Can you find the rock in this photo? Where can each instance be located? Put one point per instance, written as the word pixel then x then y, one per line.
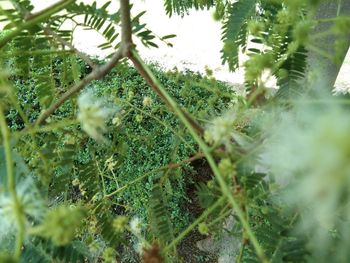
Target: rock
pixel 225 248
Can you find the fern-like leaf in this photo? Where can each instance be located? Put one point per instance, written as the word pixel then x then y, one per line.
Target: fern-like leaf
pixel 295 65
pixel 40 250
pixel 180 7
pixel 234 32
pixel 158 216
pixel 271 231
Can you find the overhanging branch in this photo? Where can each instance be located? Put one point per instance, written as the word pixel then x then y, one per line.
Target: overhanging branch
pixel 99 72
pixel 38 18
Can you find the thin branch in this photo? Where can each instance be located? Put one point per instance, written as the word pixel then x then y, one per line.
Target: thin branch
pixel 241 251
pixel 143 72
pixel 167 167
pixel 31 16
pixel 96 74
pixel 44 15
pixel 189 160
pixel 101 71
pixel 203 216
pixel 203 146
pixel 83 56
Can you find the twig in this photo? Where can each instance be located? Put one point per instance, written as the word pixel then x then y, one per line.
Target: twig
pixel 128 52
pixel 83 56
pixel 203 146
pixel 101 71
pixel 167 167
pixel 143 72
pixel 205 214
pixel 96 74
pixel 42 16
pixel 241 251
pixel 31 16
pixel 189 160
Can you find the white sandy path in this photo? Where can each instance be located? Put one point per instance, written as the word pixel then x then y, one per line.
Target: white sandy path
pixel 196 46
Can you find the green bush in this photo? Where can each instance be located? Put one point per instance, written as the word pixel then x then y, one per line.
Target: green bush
pixel 142 136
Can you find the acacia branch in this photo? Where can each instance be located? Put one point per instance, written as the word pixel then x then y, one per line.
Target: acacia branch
pixel 83 56
pixel 99 72
pixel 127 50
pixel 31 16
pixel 170 166
pixel 36 19
pixel 149 79
pixel 226 190
pixel 130 53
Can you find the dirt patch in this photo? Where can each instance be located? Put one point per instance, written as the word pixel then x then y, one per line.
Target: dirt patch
pixel 188 250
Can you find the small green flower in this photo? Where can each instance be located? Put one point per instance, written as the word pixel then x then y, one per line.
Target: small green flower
pixel 109 255
pixel 226 167
pixel 256 65
pixel 76 182
pixel 131 95
pixel 138 118
pixel 220 131
pixel 211 184
pixel 256 27
pixel 116 121
pixel 110 163
pixel 119 223
pixel 302 31
pixel 147 101
pixel 203 229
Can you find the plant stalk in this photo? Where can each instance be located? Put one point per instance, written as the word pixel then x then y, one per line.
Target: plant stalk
pixel 11 185
pixel 148 75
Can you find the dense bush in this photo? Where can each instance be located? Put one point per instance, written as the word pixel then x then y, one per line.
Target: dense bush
pixel 139 126
pixel 138 161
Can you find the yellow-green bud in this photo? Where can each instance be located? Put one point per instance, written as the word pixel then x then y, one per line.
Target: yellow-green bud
pixel 120 223
pixel 203 229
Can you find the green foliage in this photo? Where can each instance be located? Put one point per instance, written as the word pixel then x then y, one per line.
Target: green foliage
pixel 108 175
pixel 181 7
pixel 84 174
pixel 235 30
pixel 44 251
pixel 292 73
pixel 60 225
pixel 159 219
